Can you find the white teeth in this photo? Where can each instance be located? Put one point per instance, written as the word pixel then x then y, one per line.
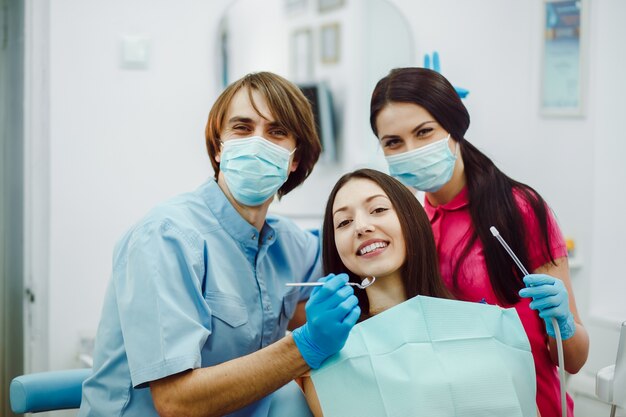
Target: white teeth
pixel 373 246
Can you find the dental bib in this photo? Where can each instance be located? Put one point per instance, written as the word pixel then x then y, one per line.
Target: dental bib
pixel 431 357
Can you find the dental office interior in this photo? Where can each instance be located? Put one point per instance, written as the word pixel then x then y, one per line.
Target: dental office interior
pixel 104 106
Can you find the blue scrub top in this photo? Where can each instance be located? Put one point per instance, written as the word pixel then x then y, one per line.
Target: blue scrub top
pixel 194 285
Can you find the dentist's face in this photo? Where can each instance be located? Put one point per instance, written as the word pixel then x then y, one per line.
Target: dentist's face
pixel 245 119
pixel 368 234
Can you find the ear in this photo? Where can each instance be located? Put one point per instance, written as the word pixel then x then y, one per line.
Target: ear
pixel 218 153
pixel 294 165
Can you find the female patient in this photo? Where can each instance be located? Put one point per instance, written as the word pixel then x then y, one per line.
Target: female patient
pixel 371 223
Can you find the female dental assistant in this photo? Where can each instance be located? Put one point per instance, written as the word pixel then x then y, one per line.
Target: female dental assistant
pixel 420 122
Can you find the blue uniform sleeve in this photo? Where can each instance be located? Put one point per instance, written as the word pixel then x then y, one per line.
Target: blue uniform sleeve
pixel 164 318
pixel 312 253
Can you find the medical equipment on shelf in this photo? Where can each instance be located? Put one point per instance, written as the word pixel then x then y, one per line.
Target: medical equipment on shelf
pixel 557 331
pixel 364 284
pixel 611 380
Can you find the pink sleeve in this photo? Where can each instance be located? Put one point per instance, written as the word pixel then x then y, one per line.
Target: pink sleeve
pixel 536 254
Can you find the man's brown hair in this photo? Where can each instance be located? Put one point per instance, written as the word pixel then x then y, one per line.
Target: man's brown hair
pixel 289 107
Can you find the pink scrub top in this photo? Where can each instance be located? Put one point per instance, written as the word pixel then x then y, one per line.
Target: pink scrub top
pixel 452 226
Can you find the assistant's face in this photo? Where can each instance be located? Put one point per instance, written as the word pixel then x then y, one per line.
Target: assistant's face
pixel 403 127
pixel 368 235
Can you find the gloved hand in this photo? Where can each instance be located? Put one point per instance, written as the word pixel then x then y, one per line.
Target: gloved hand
pixel 331 312
pixel 550 299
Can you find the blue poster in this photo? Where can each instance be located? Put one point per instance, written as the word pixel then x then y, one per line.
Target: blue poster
pixel 561 90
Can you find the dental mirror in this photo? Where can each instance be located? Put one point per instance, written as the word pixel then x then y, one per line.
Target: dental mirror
pixel 367 281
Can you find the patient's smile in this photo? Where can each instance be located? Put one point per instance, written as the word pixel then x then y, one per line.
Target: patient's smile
pixel 375 247
pixel 368 235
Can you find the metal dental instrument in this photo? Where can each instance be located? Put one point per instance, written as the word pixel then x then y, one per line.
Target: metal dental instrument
pixel 557 331
pixel 364 284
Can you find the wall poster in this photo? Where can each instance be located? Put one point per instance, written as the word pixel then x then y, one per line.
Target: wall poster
pixel 563 58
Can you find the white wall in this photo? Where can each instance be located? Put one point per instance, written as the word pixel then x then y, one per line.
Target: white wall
pixel 254 46
pixel 605 167
pixel 607 142
pixel 122 140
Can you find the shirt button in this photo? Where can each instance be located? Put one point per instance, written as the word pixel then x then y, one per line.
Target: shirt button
pixel 268 308
pixel 253 237
pixel 270 238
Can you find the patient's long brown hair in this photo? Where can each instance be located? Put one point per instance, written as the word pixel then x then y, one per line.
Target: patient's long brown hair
pixel 420 272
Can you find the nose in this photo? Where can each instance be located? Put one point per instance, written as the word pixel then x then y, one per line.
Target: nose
pixel 362 226
pixel 411 145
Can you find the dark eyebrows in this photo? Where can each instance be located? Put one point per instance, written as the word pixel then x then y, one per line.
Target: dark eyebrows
pixel 370 198
pixel 367 200
pixel 414 131
pixel 421 125
pixel 247 120
pixel 239 119
pixel 389 137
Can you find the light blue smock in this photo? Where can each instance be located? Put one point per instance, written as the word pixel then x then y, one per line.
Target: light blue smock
pixel 193 285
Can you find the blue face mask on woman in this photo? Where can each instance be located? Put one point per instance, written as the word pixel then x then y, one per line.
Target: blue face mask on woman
pixel 254 168
pixel 427 168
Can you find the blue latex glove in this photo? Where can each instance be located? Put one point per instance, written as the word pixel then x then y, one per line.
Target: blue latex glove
pixel 331 312
pixel 462 92
pixel 551 300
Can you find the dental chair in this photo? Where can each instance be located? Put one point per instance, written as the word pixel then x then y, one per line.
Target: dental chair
pixel 47 391
pixel 62 390
pixel 611 380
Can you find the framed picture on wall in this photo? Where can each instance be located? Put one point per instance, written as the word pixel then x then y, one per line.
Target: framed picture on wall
pixel 295 6
pixel 329 43
pixel 564 58
pixel 328 5
pixel 301 55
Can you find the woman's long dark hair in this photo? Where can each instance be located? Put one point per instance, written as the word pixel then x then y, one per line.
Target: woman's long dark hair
pixel 420 272
pixel 491 192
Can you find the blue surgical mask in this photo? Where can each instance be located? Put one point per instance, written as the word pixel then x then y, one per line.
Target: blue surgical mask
pixel 427 168
pixel 254 168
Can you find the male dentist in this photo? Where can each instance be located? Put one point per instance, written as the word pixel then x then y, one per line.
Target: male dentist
pixel 195 315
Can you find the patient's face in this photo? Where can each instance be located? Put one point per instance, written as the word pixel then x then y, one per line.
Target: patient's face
pixel 368 234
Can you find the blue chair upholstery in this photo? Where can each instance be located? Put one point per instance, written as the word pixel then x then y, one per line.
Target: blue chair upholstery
pixel 59 390
pixel 46 391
